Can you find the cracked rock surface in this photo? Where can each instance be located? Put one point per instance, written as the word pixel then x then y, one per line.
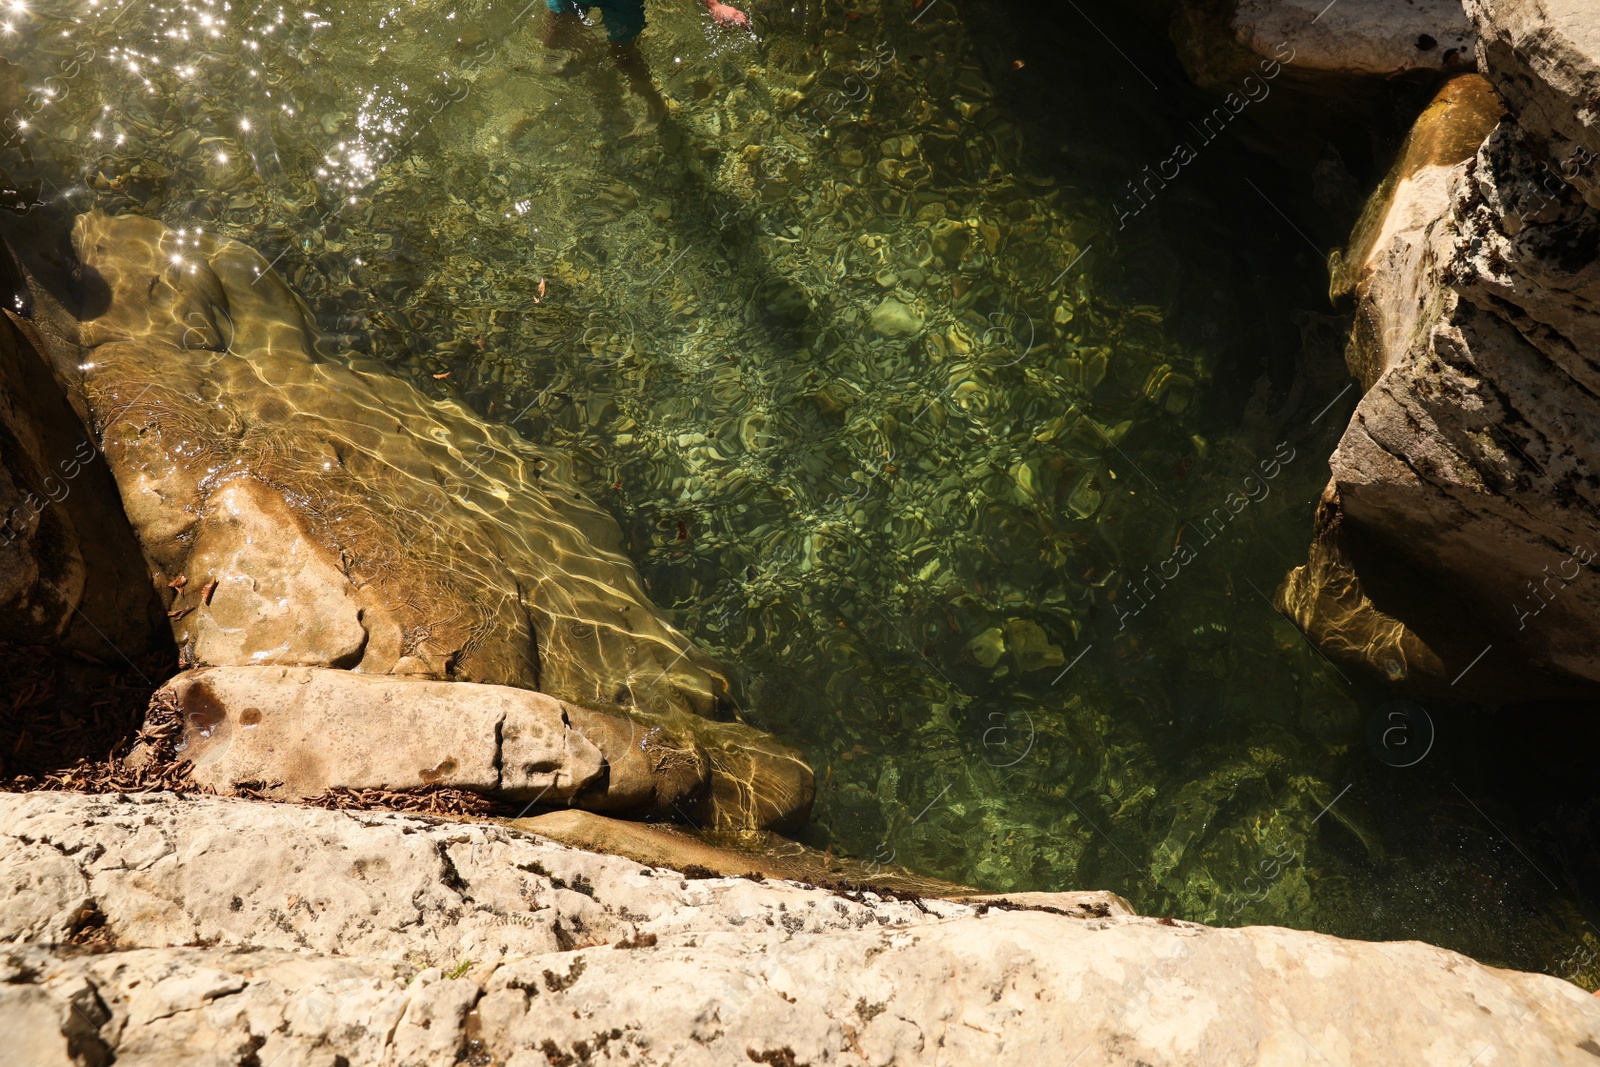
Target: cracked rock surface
pixel 1544 57
pixel 1459 530
pixel 158 929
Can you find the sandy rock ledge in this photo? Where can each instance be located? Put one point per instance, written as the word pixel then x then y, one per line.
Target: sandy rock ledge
pixel 158 930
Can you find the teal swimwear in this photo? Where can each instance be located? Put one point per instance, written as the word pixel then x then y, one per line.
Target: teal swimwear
pixel 624 18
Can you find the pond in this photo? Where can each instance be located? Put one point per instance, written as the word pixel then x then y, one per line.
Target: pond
pixel 972 451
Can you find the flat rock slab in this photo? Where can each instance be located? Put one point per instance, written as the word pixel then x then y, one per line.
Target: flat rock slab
pixel 304 731
pixel 398 939
pixel 1381 37
pixel 293 733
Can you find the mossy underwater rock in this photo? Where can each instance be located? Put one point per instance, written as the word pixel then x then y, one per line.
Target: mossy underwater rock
pixel 299 512
pixel 429 542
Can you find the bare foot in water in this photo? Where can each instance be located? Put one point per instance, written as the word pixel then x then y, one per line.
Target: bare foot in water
pixel 632 63
pixel 727 16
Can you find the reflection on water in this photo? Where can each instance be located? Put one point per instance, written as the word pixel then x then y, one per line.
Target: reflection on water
pixel 889 423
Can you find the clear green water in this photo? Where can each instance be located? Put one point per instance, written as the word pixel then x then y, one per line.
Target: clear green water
pixel 981 497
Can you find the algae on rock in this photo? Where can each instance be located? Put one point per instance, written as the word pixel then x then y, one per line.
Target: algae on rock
pixel 326 515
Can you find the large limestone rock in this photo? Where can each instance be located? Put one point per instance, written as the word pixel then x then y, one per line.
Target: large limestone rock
pixel 302 732
pixel 1454 543
pixel 1358 36
pixel 227 930
pixel 1222 40
pixel 301 512
pixel 1391 267
pixel 330 523
pixel 1544 58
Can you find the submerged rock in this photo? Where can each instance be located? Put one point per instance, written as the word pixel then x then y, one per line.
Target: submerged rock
pixel 1028 642
pixel 1327 600
pixel 332 545
pixel 312 936
pixel 1446 134
pixel 894 319
pixel 322 515
pixel 741 856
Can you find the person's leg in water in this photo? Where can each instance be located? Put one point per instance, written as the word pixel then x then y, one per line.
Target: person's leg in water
pixel 625 20
pixel 632 63
pixel 562 25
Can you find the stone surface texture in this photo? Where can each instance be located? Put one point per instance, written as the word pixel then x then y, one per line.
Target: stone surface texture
pixel 1544 58
pixel 304 731
pixel 1358 36
pixel 324 514
pixel 1459 530
pixel 1222 42
pixel 158 930
pixel 298 732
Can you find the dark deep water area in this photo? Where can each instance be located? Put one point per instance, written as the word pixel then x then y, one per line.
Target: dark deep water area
pixel 1502 802
pixel 972 450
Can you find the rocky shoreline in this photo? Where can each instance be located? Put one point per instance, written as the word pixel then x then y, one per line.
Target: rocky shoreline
pixel 381 600
pixel 158 929
pixel 336 555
